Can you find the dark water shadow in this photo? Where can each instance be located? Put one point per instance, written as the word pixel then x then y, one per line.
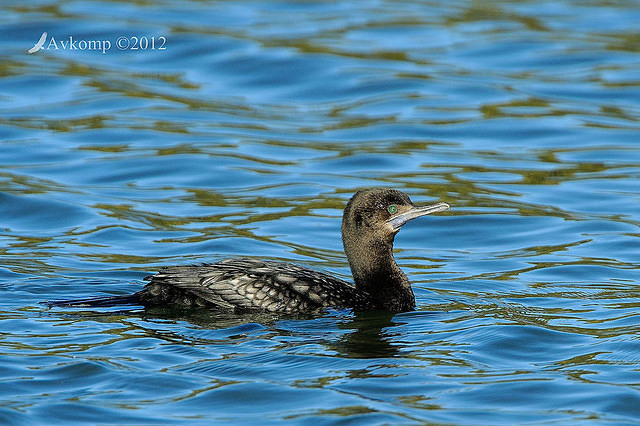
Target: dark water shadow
pixel 370 336
pixel 361 334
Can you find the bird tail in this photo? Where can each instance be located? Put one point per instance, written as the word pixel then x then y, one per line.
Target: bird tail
pixel 131 299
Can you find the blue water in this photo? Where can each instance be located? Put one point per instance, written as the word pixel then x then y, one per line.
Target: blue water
pixel 247 134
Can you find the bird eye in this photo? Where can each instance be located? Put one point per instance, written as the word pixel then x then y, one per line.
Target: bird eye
pixel 393 209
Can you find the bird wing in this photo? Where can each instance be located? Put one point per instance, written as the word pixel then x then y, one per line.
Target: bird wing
pixel 249 284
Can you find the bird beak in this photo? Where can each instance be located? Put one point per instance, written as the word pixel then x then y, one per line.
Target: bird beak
pixel 416 211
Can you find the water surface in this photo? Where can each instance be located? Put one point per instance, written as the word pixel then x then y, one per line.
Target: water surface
pixel 248 134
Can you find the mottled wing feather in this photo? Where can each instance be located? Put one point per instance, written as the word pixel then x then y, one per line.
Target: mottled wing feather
pixel 181 285
pixel 248 284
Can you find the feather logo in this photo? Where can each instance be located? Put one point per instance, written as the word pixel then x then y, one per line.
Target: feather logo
pixel 39 44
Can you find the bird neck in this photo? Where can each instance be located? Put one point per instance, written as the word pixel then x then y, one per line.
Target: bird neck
pixel 375 271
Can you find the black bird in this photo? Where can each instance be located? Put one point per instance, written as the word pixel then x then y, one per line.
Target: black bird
pixel 370 222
